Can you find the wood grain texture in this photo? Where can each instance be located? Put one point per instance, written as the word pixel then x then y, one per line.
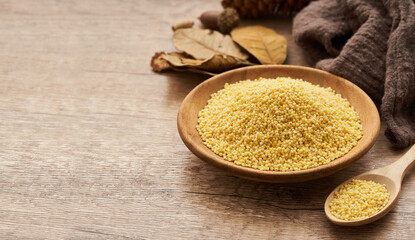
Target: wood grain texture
pixel 89 147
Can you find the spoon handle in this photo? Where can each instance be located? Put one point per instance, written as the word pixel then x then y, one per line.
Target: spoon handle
pixel 402 166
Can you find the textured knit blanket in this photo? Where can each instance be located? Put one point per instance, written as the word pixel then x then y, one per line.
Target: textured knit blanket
pixel 372 44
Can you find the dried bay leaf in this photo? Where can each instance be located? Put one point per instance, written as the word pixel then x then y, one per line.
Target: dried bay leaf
pixel 264 43
pixel 220 63
pixel 158 63
pixel 204 43
pixel 182 62
pixel 216 63
pixel 192 70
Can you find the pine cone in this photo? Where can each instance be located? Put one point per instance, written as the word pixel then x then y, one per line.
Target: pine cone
pixel 263 8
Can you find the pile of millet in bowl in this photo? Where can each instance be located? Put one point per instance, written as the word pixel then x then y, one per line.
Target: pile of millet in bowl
pixel 280 124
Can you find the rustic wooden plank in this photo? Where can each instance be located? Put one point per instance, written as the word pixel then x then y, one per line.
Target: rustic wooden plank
pixel 89 147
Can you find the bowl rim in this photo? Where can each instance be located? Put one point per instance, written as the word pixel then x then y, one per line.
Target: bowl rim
pixel 274 176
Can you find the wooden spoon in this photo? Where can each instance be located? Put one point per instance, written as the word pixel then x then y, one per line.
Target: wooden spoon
pixel 390 175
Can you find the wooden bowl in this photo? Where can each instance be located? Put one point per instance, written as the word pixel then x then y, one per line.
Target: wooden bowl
pixel 197 99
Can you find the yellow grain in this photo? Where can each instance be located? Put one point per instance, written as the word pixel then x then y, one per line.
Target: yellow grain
pixel 358 200
pixel 280 124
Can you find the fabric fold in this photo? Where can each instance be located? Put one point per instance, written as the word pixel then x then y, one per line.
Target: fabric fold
pixel 372 44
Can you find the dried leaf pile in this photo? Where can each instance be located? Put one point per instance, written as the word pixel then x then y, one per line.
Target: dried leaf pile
pixel 209 52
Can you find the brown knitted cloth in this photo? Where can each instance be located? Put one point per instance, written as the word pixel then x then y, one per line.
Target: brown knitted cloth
pixel 372 44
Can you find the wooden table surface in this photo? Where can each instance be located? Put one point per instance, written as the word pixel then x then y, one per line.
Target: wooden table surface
pixel 89 147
